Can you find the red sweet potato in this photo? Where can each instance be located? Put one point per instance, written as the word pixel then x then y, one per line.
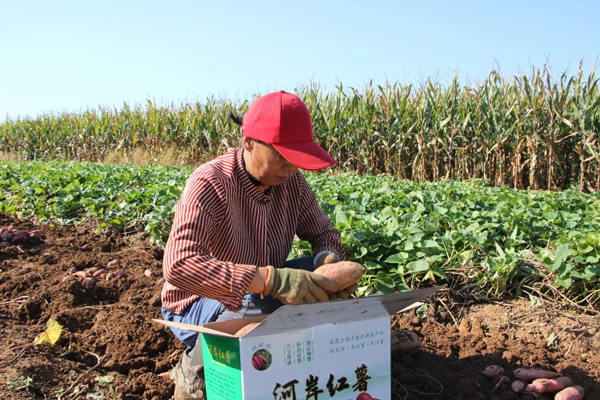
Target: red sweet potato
pixel 247 328
pixel 530 374
pixel 405 342
pixel 346 274
pixel 100 274
pixel 575 392
pixel 517 386
pixel 552 385
pixel 262 359
pixel 38 234
pixel 493 371
pixel 81 274
pixel 89 281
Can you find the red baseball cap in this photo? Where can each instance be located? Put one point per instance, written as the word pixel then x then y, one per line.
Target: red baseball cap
pixel 283 120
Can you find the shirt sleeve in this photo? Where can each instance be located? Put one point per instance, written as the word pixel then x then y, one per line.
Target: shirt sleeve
pixel 315 226
pixel 188 263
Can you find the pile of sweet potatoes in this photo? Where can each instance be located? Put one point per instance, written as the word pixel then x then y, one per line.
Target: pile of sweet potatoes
pixel 537 381
pixel 12 236
pixel 90 276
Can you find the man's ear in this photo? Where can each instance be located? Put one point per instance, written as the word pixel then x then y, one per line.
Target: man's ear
pixel 248 144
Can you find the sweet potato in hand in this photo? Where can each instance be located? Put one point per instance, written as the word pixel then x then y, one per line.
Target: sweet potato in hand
pixel 344 273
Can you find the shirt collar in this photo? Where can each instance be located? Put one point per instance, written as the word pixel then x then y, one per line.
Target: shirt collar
pixel 259 185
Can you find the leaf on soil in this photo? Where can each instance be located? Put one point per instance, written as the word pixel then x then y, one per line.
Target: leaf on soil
pixel 51 334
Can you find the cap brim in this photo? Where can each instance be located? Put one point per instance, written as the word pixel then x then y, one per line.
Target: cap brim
pixel 306 155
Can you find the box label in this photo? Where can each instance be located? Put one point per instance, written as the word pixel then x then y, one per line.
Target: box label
pixel 333 361
pixel 222 373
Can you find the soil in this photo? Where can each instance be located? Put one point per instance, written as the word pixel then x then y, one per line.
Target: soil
pixel 109 333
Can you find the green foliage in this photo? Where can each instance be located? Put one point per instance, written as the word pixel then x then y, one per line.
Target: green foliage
pixel 124 198
pixel 20 383
pixel 486 240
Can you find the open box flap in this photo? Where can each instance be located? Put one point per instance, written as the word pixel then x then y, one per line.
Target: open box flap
pixel 304 316
pixel 222 328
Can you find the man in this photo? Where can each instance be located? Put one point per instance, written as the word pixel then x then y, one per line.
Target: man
pixel 226 256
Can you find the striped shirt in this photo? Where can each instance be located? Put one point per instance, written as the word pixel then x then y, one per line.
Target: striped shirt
pixel 223 220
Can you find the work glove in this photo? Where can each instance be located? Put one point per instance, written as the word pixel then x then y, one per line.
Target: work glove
pixel 296 286
pixel 328 257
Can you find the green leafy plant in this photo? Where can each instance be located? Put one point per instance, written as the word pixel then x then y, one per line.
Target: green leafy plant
pixel 486 240
pixel 20 383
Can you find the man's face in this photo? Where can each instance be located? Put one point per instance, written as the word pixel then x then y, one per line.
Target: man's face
pixel 265 163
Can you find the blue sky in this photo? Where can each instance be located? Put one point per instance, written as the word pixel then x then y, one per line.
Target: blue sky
pixel 66 56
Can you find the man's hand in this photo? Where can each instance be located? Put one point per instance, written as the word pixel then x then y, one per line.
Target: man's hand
pixel 344 294
pixel 296 286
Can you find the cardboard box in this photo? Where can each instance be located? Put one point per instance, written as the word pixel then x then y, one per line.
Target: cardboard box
pixel 329 350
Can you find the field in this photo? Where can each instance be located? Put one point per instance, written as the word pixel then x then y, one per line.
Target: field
pixel 492 189
pixel 521 268
pixel 109 347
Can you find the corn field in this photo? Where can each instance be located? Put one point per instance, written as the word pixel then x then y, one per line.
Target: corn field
pixel 528 131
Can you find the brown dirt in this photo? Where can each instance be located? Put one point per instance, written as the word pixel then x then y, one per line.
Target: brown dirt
pixel 111 320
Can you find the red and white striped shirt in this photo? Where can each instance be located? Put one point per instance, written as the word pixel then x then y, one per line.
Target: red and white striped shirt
pixel 223 220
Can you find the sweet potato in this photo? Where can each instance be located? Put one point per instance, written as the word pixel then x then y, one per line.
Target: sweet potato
pixel 404 342
pixel 530 374
pixel 365 396
pixel 492 371
pixel 82 274
pixel 325 258
pixel 247 328
pixel 517 386
pixel 99 274
pixel 37 234
pixel 20 239
pixel 262 359
pixel 259 362
pixel 544 385
pixel 89 281
pixel 7 236
pixel 575 392
pixel 345 275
